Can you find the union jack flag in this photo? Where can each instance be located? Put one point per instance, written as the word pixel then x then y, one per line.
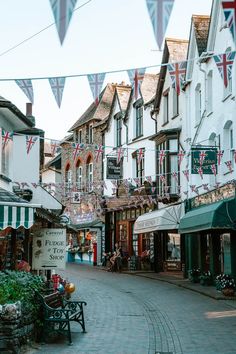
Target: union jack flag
pixel 205 186
pixel 214 169
pixel 224 64
pixel 219 155
pixel 77 148
pixel 120 154
pixel 202 157
pixel 96 82
pixel 30 141
pixel 140 155
pixel 200 172
pixel 181 155
pixel 99 149
pixel 136 77
pixel 194 189
pixel 6 137
pixel 57 85
pixel 177 73
pixel 229 8
pixel 229 166
pixel 175 175
pixel 159 12
pixel 186 174
pixel 162 155
pixel 54 147
pixel 62 11
pixel 27 88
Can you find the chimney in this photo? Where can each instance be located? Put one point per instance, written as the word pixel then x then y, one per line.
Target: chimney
pixel 29 112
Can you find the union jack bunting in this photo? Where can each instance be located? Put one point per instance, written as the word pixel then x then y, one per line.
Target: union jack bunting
pixel 140 155
pixel 214 169
pixel 205 186
pixel 57 85
pixel 96 82
pixel 224 63
pixel 120 154
pixel 217 185
pixel 149 179
pixel 162 155
pixel 229 8
pixel 200 172
pixel 181 155
pixel 54 147
pixel 163 179
pixel 137 181
pixel 77 148
pixel 202 157
pixel 177 73
pixel 27 88
pixel 159 12
pixel 136 77
pixel 186 174
pixel 6 137
pixel 194 189
pixel 30 141
pixel 175 175
pixel 99 149
pixel 35 185
pixel 229 166
pixel 62 11
pixel 219 155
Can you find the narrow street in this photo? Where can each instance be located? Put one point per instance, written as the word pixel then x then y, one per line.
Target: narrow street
pixel 127 314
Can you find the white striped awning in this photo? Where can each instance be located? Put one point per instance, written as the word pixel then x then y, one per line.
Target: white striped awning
pixel 16 216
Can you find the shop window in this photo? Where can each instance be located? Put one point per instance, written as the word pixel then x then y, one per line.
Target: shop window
pixel 173 247
pixel 123 237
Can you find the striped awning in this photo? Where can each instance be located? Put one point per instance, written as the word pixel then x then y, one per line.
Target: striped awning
pixel 16 216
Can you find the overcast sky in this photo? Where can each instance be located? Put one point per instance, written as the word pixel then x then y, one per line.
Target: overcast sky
pixel 102 36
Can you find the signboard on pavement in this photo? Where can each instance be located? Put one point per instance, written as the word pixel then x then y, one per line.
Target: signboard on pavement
pixel 49 249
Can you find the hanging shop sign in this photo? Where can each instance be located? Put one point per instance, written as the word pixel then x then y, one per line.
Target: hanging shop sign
pixel 49 249
pixel 224 192
pixel 203 158
pixel 113 168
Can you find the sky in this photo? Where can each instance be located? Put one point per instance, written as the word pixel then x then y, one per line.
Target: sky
pixel 104 35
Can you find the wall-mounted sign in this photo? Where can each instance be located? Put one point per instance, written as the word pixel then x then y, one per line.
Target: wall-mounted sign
pixel 113 168
pixel 225 192
pixel 204 158
pixel 49 249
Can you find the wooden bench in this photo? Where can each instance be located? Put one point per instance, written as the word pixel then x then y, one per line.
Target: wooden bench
pixel 58 313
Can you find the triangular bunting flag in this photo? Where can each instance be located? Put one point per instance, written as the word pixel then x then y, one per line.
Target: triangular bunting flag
pixel 57 85
pixel 177 73
pixel 159 12
pixel 30 141
pixel 229 8
pixel 54 147
pixel 62 11
pixel 136 78
pixel 99 149
pixel 77 148
pixel 96 83
pixel 224 63
pixel 6 137
pixel 27 88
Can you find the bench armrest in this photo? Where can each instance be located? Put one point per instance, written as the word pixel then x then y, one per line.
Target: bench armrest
pixel 74 305
pixel 57 314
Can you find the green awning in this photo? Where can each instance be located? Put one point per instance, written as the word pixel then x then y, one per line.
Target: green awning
pixel 220 215
pixel 16 216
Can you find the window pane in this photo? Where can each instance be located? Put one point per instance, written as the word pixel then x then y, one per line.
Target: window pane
pixel 173 145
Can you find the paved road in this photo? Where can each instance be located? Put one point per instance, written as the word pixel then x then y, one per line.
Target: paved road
pixel 134 315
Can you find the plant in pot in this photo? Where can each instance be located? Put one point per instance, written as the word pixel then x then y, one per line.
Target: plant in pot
pixel 226 284
pixel 194 275
pixel 206 278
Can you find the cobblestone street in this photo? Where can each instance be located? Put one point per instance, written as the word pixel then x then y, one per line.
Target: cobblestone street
pixel 128 314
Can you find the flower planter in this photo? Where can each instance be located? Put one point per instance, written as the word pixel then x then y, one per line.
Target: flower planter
pixel 228 292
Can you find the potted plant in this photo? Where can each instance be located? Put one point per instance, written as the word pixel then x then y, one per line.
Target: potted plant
pixel 194 275
pixel 206 278
pixel 226 284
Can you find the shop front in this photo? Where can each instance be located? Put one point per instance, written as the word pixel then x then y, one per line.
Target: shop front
pixel 161 226
pixel 209 227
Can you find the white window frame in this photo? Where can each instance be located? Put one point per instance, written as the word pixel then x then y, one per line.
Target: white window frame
pixel 79 177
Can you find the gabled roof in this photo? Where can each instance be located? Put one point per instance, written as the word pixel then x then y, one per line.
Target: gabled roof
pixel 97 112
pixel 149 87
pixel 8 104
pixel 201 27
pixel 175 50
pixel 123 95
